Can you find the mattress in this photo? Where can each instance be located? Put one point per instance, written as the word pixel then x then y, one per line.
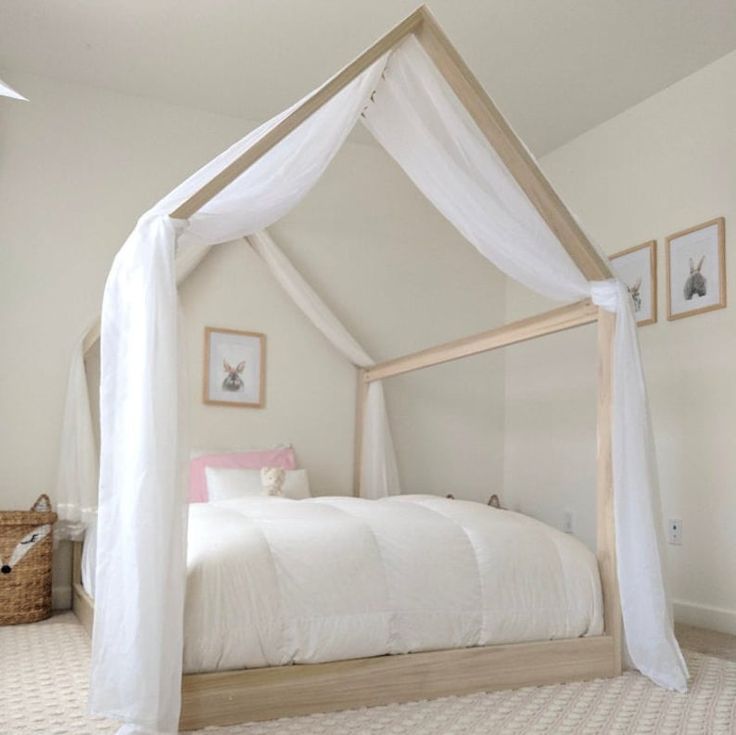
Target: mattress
pixel 273 581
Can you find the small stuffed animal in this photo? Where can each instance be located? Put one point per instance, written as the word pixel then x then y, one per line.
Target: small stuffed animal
pixel 272 479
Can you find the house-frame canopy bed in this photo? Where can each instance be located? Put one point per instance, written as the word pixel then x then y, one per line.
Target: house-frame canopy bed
pixel 416 95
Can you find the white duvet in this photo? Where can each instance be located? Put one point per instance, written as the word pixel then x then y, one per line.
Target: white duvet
pixel 273 581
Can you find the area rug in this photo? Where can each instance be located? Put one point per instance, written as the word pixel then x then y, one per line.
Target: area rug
pixel 43 674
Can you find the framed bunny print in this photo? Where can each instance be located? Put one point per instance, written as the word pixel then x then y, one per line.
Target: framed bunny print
pixel 637 268
pixel 696 269
pixel 234 368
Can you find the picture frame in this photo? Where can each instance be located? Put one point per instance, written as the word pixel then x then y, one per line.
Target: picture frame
pixel 637 268
pixel 696 269
pixel 234 368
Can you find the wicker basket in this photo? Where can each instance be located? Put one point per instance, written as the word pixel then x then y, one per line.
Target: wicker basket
pixel 25 563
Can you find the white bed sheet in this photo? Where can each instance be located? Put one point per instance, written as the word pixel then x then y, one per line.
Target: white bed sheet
pixel 273 581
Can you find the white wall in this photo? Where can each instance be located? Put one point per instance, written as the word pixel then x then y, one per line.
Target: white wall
pixel 78 165
pixel 664 165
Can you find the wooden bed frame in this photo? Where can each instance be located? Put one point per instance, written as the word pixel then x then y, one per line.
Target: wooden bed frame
pixel 230 697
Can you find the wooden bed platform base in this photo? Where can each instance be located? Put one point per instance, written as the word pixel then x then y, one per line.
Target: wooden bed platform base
pixel 285 691
pixel 231 697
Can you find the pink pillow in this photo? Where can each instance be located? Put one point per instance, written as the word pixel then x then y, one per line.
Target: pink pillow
pixel 280 457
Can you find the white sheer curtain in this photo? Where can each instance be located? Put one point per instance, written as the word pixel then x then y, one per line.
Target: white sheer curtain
pixel 137 637
pixel 76 473
pixel 380 475
pixel 421 123
pixel 77 476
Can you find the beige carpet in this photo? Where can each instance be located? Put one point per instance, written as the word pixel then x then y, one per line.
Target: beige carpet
pixel 43 675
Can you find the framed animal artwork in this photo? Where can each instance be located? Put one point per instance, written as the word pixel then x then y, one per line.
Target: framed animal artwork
pixel 637 268
pixel 234 368
pixel 696 269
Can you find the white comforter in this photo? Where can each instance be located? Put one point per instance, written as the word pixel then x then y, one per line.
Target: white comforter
pixel 273 581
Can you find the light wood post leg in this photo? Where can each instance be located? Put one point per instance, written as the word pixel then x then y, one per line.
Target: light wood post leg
pixel 605 513
pixel 76 562
pixel 361 393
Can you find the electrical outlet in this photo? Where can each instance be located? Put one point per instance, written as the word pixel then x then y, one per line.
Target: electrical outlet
pixel 568 522
pixel 674 531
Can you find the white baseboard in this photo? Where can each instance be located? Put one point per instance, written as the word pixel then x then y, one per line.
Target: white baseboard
pixel 61 597
pixel 705 616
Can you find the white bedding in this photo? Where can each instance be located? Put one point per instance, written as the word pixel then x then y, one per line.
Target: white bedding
pixel 273 581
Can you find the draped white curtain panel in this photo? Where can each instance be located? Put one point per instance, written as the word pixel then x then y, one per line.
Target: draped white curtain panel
pixel 76 472
pixel 137 642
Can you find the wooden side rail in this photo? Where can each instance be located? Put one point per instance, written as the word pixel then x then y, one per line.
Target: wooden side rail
pixel 230 697
pixel 557 320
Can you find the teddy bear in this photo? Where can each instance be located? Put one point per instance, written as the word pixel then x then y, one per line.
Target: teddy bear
pixel 272 479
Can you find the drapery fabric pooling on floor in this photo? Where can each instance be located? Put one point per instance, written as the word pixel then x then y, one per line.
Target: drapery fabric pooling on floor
pixel 137 641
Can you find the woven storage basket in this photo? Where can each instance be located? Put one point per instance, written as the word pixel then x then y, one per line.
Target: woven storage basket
pixel 25 563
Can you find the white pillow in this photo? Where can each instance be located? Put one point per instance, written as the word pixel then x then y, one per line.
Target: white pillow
pixel 224 483
pixel 296 485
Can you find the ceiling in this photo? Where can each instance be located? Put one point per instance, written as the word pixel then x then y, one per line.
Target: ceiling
pixel 555 67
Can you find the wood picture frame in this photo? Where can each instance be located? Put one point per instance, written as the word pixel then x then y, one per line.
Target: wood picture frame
pixel 641 285
pixel 695 244
pixel 234 371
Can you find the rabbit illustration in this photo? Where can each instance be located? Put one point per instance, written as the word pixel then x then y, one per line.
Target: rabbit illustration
pixel 233 382
pixel 695 283
pixel 636 294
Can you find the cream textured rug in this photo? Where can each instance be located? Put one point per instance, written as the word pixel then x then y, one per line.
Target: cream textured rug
pixel 43 675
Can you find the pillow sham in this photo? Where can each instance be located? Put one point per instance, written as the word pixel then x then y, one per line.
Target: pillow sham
pixel 296 485
pixel 226 484
pixel 278 457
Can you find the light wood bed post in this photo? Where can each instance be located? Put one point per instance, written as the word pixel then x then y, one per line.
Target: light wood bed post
pixel 361 393
pixel 82 604
pixel 606 533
